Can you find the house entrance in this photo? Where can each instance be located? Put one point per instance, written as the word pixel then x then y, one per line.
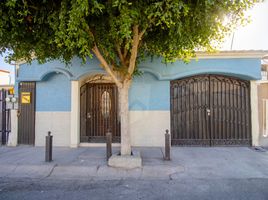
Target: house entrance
pixel 210 110
pixel 26 113
pixel 99 112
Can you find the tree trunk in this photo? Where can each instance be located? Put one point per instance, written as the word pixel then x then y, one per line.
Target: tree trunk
pixel 123 107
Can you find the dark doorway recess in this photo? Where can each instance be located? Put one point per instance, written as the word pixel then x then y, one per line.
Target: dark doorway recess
pixel 26 113
pixel 210 110
pixel 99 112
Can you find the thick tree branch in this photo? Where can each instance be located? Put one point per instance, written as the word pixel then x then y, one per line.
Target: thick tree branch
pixel 121 56
pixel 125 53
pixel 106 66
pixel 142 33
pixel 134 50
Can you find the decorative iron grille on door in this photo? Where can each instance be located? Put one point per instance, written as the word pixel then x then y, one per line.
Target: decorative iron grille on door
pixel 99 112
pixel 210 110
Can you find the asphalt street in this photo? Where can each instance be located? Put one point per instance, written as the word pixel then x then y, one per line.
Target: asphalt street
pixel 225 189
pixel 223 173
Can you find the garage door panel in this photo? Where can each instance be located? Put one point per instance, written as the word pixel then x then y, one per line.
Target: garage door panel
pixel 191 127
pixel 234 135
pixel 210 110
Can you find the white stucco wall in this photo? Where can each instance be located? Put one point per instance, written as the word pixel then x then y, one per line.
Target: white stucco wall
pixel 75 114
pixel 254 113
pixel 56 122
pixel 13 135
pixel 5 78
pixel 147 128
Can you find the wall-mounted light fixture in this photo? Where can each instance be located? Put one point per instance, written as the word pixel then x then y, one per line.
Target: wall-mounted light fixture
pixel 8 99
pixel 11 99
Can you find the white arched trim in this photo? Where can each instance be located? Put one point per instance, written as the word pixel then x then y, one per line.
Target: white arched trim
pixel 172 76
pixel 56 70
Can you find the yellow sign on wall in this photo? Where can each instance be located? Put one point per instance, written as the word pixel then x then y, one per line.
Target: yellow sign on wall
pixel 11 91
pixel 25 97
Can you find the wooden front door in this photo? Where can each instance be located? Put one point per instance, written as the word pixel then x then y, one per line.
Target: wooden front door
pixel 99 112
pixel 210 110
pixel 26 113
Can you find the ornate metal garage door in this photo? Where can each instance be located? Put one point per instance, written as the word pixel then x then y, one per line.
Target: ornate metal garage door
pixel 99 112
pixel 210 110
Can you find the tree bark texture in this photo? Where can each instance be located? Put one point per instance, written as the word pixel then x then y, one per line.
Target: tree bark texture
pixel 123 83
pixel 124 118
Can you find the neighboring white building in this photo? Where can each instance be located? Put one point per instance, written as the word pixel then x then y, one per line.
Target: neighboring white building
pixel 5 78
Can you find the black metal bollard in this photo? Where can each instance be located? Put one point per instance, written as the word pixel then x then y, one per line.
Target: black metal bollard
pixel 108 145
pixel 48 155
pixel 167 146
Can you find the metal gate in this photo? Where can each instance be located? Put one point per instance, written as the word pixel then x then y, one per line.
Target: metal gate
pixel 99 112
pixel 210 110
pixel 26 113
pixel 4 117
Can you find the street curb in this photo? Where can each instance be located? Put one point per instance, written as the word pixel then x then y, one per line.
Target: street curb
pixel 101 172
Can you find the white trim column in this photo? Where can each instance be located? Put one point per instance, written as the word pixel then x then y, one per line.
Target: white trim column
pixel 13 135
pixel 75 114
pixel 254 113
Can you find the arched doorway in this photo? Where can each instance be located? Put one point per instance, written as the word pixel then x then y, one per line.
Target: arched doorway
pixel 210 110
pixel 99 112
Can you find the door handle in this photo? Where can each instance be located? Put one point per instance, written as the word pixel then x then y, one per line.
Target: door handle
pixel 88 115
pixel 208 111
pixel 18 113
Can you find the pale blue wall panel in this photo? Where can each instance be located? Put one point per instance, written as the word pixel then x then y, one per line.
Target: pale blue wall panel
pixel 53 93
pixel 244 68
pixel 148 93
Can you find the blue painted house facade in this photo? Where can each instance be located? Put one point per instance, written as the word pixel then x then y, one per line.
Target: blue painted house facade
pixel 179 97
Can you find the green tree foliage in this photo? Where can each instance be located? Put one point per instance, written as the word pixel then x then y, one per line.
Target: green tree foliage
pixel 119 33
pixel 172 29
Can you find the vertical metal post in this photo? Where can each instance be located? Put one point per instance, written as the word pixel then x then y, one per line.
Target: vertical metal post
pixel 167 146
pixel 4 118
pixel 108 145
pixel 48 155
pixel 2 114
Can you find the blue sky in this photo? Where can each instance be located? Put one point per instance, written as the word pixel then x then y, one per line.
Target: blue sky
pixel 254 36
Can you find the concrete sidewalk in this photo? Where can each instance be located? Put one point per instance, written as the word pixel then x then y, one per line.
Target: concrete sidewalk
pixel 90 164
